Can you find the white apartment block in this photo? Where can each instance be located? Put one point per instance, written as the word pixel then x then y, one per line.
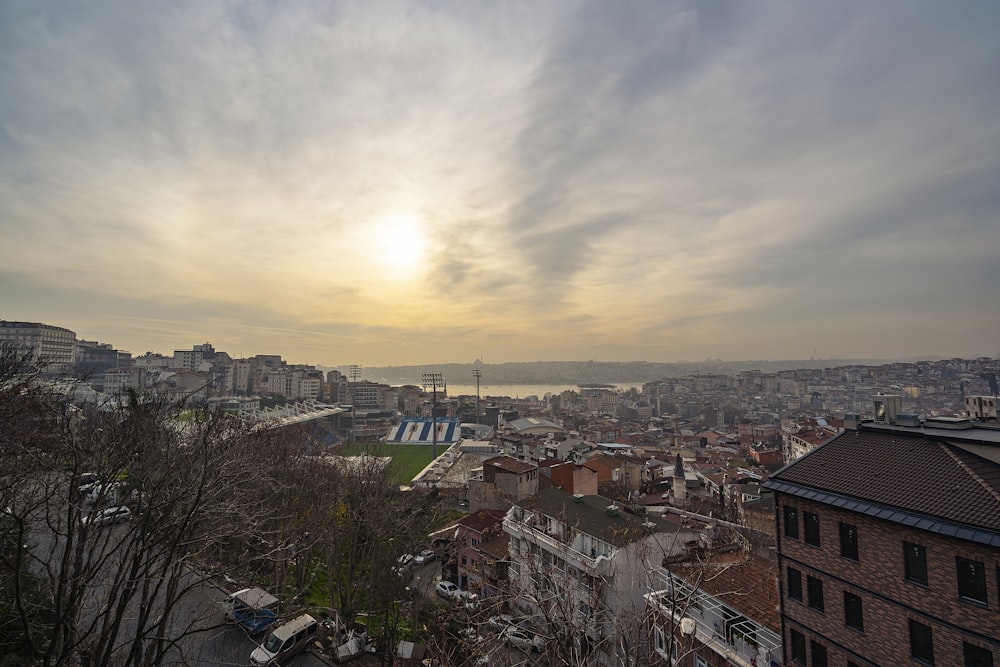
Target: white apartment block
pixel 55 346
pixel 716 613
pixel 119 380
pixel 982 408
pixel 583 563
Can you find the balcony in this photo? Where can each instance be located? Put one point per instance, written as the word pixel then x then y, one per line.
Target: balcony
pixel 536 533
pixel 720 628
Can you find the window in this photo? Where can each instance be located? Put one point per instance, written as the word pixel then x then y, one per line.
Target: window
pixel 971 580
pixel 798 647
pixel 819 654
pixel 921 643
pixel 812 528
pixel 660 639
pixel 791 522
pixel 848 541
pixel 976 656
pixel 815 592
pixel 852 612
pixel 700 661
pixel 794 584
pixel 915 559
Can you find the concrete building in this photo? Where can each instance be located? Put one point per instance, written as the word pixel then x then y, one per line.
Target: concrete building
pixel 889 547
pixel 721 611
pixel 503 480
pixel 584 563
pixel 55 346
pixel 982 408
pixel 471 531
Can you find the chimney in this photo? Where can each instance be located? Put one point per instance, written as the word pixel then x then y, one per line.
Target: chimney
pixel 680 484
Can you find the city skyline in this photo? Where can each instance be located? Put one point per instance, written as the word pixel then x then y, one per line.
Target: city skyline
pixel 403 183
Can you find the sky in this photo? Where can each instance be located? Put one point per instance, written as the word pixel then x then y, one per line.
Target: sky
pixel 394 183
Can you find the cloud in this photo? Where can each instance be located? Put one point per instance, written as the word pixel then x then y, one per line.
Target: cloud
pixel 694 179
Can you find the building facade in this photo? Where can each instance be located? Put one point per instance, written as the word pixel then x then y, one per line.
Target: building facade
pixel 889 547
pixel 55 346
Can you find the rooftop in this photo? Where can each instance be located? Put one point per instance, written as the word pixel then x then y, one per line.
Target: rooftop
pixel 747 584
pixel 944 481
pixel 590 515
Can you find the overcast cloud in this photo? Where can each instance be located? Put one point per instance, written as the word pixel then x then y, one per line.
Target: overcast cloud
pixel 422 182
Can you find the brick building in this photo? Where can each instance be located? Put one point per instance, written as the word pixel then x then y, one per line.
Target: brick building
pixel 889 547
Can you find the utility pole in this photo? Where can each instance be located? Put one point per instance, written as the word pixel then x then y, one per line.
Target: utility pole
pixel 433 380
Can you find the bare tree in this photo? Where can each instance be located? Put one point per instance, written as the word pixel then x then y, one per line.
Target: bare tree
pixel 122 594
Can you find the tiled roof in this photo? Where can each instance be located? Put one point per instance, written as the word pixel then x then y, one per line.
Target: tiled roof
pixel 509 464
pixel 916 474
pixel 749 585
pixel 497 547
pixel 480 520
pixel 589 514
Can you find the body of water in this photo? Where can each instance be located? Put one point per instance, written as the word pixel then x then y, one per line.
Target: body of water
pixel 523 390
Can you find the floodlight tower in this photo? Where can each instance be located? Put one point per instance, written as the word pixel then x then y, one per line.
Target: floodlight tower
pixel 476 373
pixel 354 371
pixel 432 380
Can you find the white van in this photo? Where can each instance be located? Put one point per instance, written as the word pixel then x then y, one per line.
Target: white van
pixel 108 492
pixel 286 642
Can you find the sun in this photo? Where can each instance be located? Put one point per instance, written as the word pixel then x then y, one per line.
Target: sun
pixel 399 243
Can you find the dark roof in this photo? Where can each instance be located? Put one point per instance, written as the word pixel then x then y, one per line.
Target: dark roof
pixel 589 514
pixel 910 478
pixel 480 520
pixel 497 546
pixel 749 585
pixel 509 464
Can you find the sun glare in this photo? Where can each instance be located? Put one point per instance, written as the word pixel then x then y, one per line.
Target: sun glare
pixel 399 243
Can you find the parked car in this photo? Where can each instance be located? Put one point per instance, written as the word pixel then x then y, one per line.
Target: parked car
pixel 448 590
pixel 424 556
pixel 403 563
pixel 252 608
pixel 107 492
pixel 524 640
pixel 286 642
pixel 107 516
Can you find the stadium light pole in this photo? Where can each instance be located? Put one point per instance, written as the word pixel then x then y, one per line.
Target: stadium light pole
pixel 433 380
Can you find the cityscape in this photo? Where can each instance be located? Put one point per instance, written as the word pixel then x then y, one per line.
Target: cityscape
pixel 657 522
pixel 436 333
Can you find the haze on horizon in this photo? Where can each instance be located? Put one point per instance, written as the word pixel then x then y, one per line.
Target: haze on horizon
pixel 401 183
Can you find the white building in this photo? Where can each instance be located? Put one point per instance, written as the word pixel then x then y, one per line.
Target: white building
pixel 583 564
pixel 55 346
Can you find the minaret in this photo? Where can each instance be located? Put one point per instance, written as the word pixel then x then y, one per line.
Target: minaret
pixel 680 485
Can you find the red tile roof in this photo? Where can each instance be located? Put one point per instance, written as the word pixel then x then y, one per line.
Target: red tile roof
pixel 480 520
pixel 749 585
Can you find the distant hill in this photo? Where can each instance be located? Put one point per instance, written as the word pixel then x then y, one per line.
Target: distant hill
pixel 573 372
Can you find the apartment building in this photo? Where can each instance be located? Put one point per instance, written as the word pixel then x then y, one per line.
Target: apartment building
pixel 584 563
pixel 503 480
pixel 471 531
pixel 55 346
pixel 719 611
pixel 888 546
pixel 983 408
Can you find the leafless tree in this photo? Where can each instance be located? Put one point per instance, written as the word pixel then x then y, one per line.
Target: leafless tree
pixel 83 592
